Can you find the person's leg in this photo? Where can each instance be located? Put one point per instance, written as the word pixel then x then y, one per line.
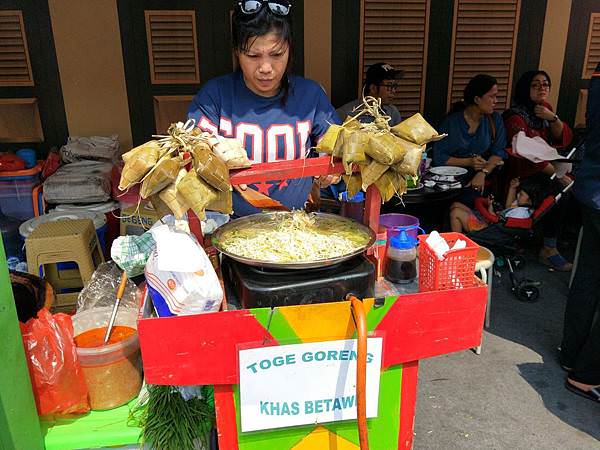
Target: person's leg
pixel 459 220
pixel 551 224
pixel 579 334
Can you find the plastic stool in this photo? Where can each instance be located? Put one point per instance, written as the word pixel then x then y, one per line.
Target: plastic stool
pixel 64 241
pixel 484 265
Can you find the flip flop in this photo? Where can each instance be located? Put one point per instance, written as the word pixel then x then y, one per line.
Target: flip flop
pixel 556 262
pixel 593 394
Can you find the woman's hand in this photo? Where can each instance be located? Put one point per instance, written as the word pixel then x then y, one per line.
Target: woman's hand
pixel 514 183
pixel 478 182
pixel 543 113
pixel 477 162
pixel 327 180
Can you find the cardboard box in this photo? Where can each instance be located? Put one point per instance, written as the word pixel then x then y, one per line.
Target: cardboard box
pixel 135 221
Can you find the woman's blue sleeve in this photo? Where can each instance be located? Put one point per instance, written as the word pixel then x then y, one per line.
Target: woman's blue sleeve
pixel 442 150
pixel 498 149
pixel 206 106
pixel 325 116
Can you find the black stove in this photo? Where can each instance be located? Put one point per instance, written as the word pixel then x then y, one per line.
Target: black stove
pixel 258 287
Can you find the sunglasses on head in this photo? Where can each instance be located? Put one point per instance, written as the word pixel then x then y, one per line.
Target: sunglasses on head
pixel 279 8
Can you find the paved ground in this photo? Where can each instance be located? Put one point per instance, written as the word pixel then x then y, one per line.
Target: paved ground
pixel 512 395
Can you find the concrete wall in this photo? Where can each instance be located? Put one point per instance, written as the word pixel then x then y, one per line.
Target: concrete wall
pixel 90 60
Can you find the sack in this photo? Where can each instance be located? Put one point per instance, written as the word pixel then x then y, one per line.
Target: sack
pixel 94 148
pixel 56 375
pixel 80 182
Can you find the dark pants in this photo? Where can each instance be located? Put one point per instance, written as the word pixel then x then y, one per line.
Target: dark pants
pixel 580 347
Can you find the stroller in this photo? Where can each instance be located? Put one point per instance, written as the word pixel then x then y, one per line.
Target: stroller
pixel 502 236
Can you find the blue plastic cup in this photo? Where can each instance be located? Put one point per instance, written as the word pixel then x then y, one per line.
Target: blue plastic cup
pixel 28 155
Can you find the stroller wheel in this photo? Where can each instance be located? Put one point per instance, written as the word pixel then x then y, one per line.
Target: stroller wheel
pixel 518 262
pixel 527 291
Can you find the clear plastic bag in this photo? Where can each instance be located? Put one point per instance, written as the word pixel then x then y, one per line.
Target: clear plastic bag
pixel 56 375
pixel 102 290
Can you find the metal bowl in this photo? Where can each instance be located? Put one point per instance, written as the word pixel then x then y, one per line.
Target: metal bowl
pixel 244 221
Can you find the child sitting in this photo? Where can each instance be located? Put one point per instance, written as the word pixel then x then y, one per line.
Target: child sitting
pixel 522 199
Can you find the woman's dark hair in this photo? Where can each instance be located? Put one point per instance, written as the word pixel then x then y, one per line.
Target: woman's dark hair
pixel 522 95
pixel 538 187
pixel 477 86
pixel 247 27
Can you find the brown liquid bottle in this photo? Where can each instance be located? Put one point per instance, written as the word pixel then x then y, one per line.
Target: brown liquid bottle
pixel 401 259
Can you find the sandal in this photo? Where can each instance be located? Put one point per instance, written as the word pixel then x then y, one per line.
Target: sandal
pixel 593 394
pixel 556 262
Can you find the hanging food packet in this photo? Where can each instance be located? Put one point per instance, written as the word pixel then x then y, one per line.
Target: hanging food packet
pixel 163 174
pixel 138 163
pixel 409 166
pixel 159 206
pixel 212 169
pixel 372 173
pixel 354 149
pixel 386 148
pixel 174 199
pixel 223 203
pixel 327 142
pixel 416 129
pixel 389 184
pixel 197 193
pixel 353 183
pixel 231 151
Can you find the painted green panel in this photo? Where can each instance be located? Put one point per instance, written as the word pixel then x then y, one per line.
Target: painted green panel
pixel 383 431
pixel 376 315
pixel 19 424
pixel 278 327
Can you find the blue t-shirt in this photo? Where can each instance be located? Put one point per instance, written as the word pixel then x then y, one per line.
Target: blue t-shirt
pixel 269 130
pixel 461 144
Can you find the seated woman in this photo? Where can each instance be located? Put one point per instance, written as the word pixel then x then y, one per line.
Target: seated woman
pixel 522 200
pixel 476 135
pixel 532 114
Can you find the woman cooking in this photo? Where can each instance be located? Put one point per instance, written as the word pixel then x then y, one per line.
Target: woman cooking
pixel 277 116
pixel 476 136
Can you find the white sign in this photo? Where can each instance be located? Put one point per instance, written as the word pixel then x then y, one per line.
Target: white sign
pixel 303 384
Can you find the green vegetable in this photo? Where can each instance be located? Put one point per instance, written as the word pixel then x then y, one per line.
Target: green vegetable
pixel 169 422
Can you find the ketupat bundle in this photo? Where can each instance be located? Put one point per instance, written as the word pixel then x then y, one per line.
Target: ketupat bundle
pixel 211 168
pixel 173 198
pixel 231 151
pixel 197 193
pixel 354 150
pixel 163 174
pixel 327 142
pixel 390 184
pixel 386 148
pixel 138 162
pixel 416 129
pixel 410 164
pixel 223 203
pixel 372 173
pixel 353 183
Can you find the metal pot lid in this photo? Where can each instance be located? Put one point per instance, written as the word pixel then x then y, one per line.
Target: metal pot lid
pixel 26 228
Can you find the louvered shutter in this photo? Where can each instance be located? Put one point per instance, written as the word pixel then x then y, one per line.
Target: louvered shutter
pixel 15 67
pixel 396 32
pixel 484 38
pixel 172 47
pixel 592 51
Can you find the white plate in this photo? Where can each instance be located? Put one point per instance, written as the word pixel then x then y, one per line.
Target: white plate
pixel 416 188
pixel 451 171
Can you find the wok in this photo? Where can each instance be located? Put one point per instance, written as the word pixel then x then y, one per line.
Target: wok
pixel 265 217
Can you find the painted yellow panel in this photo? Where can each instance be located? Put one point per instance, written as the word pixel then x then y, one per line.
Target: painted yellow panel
pixel 335 320
pixel 323 439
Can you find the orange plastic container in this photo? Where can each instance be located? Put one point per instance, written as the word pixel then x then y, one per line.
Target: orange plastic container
pixel 456 271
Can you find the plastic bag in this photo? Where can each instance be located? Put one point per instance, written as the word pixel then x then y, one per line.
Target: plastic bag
pixel 181 279
pixel 56 376
pixel 102 290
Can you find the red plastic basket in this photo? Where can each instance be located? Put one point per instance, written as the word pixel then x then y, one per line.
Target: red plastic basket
pixel 456 271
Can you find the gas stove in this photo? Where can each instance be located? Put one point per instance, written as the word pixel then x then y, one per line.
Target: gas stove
pixel 258 287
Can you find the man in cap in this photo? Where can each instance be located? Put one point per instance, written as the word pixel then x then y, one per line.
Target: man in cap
pixel 380 82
